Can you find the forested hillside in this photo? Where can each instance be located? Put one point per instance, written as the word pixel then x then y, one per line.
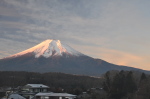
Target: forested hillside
pixel 56 81
pixel 112 85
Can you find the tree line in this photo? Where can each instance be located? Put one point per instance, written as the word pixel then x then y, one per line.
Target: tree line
pixel 112 85
pixel 126 85
pixel 58 82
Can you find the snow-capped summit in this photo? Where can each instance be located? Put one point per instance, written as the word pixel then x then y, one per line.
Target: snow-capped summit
pixel 50 48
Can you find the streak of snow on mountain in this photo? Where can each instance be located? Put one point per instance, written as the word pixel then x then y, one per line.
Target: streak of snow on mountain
pixel 50 48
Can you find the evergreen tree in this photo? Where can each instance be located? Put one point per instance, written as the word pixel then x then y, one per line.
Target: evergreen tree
pixel 107 82
pixel 117 90
pixel 121 85
pixel 130 84
pixel 143 77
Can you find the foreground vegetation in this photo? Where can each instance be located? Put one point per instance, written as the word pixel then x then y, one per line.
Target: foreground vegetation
pixel 127 85
pixel 112 85
pixel 57 82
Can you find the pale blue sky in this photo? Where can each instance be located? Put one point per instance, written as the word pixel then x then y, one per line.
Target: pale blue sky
pixel 113 30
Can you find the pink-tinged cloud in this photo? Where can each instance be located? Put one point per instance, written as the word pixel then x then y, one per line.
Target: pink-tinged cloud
pixel 4 53
pixel 116 57
pixel 120 58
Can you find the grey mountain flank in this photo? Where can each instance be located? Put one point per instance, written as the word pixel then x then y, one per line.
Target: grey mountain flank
pixel 54 56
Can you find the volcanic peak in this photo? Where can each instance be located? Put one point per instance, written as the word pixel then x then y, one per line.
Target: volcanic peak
pixel 49 48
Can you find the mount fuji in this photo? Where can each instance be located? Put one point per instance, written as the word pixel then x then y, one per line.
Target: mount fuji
pixel 50 48
pixel 54 56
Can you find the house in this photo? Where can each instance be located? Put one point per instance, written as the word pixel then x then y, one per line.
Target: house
pixel 15 96
pixel 28 91
pixel 37 91
pixel 4 91
pixel 35 88
pixel 54 96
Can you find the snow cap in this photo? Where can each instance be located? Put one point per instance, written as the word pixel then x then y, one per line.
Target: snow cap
pixel 50 48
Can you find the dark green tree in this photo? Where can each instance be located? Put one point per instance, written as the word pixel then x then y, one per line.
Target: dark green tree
pixel 130 84
pixel 144 87
pixel 118 85
pixel 107 82
pixel 121 86
pixel 143 77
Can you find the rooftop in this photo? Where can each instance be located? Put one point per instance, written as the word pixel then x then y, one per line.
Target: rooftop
pixel 37 85
pixel 56 94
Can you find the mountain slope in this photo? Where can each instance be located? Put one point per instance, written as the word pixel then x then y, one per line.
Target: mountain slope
pixel 49 48
pixel 53 56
